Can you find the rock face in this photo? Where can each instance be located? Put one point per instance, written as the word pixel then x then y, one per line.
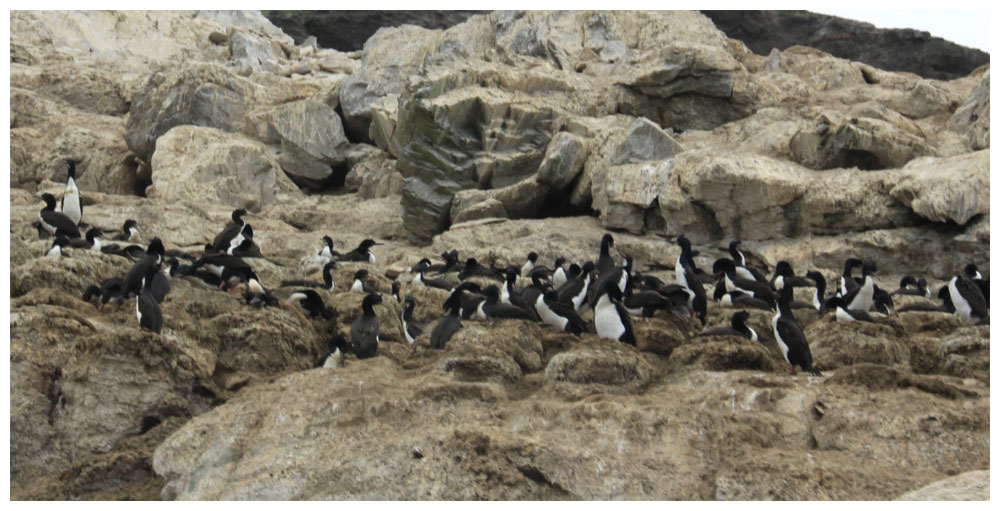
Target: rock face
pixel 348 30
pixel 508 133
pixel 908 50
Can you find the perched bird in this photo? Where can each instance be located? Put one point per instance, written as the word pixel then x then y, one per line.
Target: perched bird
pixel 843 314
pixel 559 276
pixel 557 314
pixel 450 323
pixel 470 302
pixel 90 242
pixel 359 285
pixel 334 356
pixel 364 330
pixel 132 281
pixel 529 264
pixel 204 278
pixel 818 295
pixel 789 336
pixel 246 248
pixel 575 291
pixel 56 250
pixel 511 296
pixel 311 302
pixel 327 252
pixel 725 269
pixel 159 285
pixel 741 299
pixel 147 309
pixel 395 291
pixel 55 222
pixel 972 273
pixel 255 293
pixel 967 299
pixel 920 287
pixel 231 231
pixel 740 261
pixel 863 297
pixel 737 328
pixel 783 274
pixel 611 320
pixel 362 253
pixel 847 282
pixel 109 291
pixel 697 301
pixel 422 280
pixel 411 327
pixel 606 263
pixel 71 205
pixel 474 269
pixel 130 232
pixel 492 308
pixel 327 283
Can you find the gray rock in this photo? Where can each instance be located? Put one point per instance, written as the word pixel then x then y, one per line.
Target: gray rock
pixel 834 141
pixel 973 485
pixel 476 209
pixel 521 200
pixel 946 189
pixel 252 52
pixel 248 20
pixel 208 165
pixel 624 193
pixel 196 94
pixel 563 160
pixel 312 140
pixel 973 117
pixel 645 141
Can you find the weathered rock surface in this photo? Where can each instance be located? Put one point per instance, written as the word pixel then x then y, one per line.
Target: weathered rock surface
pixel 974 485
pixel 228 169
pixel 348 30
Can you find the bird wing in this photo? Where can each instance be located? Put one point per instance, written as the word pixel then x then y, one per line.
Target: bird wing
pixel 62 223
pixel 798 348
pixel 974 296
pixel 629 336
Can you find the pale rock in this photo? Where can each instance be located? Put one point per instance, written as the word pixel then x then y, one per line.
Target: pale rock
pixel 563 161
pixel 973 117
pixel 946 189
pixel 210 165
pixel 973 485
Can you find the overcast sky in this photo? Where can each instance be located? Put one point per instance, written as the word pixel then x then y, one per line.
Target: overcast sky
pixel 965 27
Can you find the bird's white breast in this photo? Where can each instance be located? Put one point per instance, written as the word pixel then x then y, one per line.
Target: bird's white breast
pixel 606 320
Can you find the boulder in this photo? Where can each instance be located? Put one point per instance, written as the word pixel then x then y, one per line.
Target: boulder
pixel 520 200
pixel 972 485
pixel 254 53
pixel 946 189
pixel 197 94
pixel 563 161
pixel 973 118
pixel 600 362
pixel 312 141
pixel 834 141
pixel 229 168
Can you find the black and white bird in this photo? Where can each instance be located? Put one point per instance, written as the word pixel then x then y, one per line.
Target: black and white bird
pixel 644 302
pixel 725 269
pixel 529 264
pixel 697 300
pixel 517 298
pixel 327 253
pixel 91 242
pixel 819 297
pixel 972 273
pixel 967 299
pixel 147 308
pixel 606 263
pixel 231 231
pixel 159 286
pixel 575 291
pixel 785 275
pixel 611 320
pixel 71 205
pixel 395 291
pixel 557 314
pixel 470 302
pixel 451 323
pixel 58 246
pixel 55 222
pixel 491 308
pixel 334 356
pixel 256 294
pixel 132 281
pixel 842 314
pixel 359 286
pixel 559 272
pixel 737 328
pixel 740 261
pixel 364 330
pixel 743 300
pixel 421 279
pixel 327 283
pixel 412 328
pixel 110 291
pixel 311 302
pixel 129 232
pixel 204 278
pixel 474 269
pixel 362 253
pixel 846 284
pixel 789 336
pixel 863 297
pixel 919 287
pixel 246 248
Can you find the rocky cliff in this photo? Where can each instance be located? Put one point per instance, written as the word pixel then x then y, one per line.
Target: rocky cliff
pixel 509 132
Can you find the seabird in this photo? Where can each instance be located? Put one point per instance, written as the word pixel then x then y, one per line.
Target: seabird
pixel 362 253
pixel 109 291
pixel 529 264
pixel 920 286
pixel 967 299
pixel 575 291
pixel 789 336
pixel 91 242
pixel 611 320
pixel 311 302
pixel 130 232
pixel 205 278
pixel 492 308
pixel 56 250
pixel 71 205
pixel 842 314
pixel 450 323
pixel 411 327
pixel 741 299
pixel 847 282
pixel 147 309
pixel 863 297
pixel 255 294
pixel 559 273
pixel 474 269
pixel 334 356
pixel 783 274
pixel 559 315
pixel 327 283
pixel 977 278
pixel 422 280
pixel 725 269
pixel 364 330
pixel 359 285
pixel 740 261
pixel 55 222
pixel 159 285
pixel 520 298
pixel 818 295
pixel 132 281
pixel 737 328
pixel 223 240
pixel 395 291
pixel 697 300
